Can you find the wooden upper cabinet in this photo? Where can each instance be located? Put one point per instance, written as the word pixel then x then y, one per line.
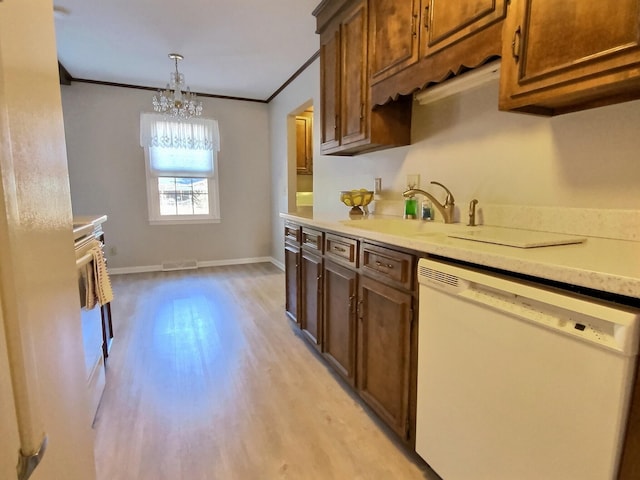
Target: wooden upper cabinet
pixel 354 82
pixel 330 88
pixel 560 57
pixel 451 37
pixel 349 124
pixel 445 22
pixel 394 40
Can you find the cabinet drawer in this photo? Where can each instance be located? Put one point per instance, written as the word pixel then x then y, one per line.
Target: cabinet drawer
pixel 311 239
pixel 343 249
pixel 387 265
pixel 291 232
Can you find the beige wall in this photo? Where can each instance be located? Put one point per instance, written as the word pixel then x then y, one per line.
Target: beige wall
pixel 38 279
pixel 585 159
pixel 106 168
pixel 302 93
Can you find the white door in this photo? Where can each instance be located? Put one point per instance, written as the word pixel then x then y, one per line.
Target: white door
pixel 38 282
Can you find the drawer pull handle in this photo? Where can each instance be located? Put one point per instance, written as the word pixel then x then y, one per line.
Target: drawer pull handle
pixel 515 44
pixel 380 264
pixel 339 249
pixel 426 17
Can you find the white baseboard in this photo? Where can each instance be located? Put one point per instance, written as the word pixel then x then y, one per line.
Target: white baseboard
pixel 126 270
pixel 204 263
pixel 278 264
pixel 233 261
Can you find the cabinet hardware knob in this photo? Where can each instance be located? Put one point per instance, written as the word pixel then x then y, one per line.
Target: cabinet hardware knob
pixel 515 44
pixel 351 304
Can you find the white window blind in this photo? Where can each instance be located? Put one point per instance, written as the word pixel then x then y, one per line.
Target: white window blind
pixel 180 162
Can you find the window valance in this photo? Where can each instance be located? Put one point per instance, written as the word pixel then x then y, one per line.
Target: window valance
pixel 156 130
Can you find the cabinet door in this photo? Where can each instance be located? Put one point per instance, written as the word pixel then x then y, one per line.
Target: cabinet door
pixel 311 297
pixel 566 56
pixel 445 22
pixel 354 116
pixel 384 352
pixel 339 319
pixel 393 37
pixel 303 145
pixel 330 88
pixel 291 269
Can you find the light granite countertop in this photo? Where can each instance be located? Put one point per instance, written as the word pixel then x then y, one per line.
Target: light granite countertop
pixel 602 264
pixel 84 225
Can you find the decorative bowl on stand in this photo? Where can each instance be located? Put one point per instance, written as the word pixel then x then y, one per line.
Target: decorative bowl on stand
pixel 356 199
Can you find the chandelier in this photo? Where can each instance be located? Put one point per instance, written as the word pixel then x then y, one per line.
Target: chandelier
pixel 173 101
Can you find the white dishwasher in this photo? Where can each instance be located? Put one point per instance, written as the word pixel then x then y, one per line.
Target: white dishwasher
pixel 518 381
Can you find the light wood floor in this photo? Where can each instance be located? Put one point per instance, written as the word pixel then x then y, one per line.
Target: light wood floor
pixel 207 379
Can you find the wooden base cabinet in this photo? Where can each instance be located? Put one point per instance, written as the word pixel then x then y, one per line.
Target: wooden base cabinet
pixel 356 306
pixel 292 269
pixel 385 323
pixel 311 297
pixel 339 319
pixel 292 234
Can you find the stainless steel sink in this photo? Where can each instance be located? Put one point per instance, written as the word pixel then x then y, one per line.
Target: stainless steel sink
pixel 399 226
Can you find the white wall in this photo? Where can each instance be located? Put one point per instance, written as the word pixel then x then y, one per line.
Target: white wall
pixel 304 91
pixel 107 174
pixel 586 159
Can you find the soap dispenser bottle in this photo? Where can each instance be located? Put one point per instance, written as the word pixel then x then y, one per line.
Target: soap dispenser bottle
pixel 410 207
pixel 411 202
pixel 427 210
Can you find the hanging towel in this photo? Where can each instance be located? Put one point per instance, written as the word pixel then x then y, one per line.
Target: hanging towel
pixel 103 290
pixel 86 285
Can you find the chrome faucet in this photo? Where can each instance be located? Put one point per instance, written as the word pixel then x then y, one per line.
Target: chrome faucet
pixel 446 209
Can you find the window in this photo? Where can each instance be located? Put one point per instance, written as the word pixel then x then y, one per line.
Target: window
pixel 181 166
pixel 183 196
